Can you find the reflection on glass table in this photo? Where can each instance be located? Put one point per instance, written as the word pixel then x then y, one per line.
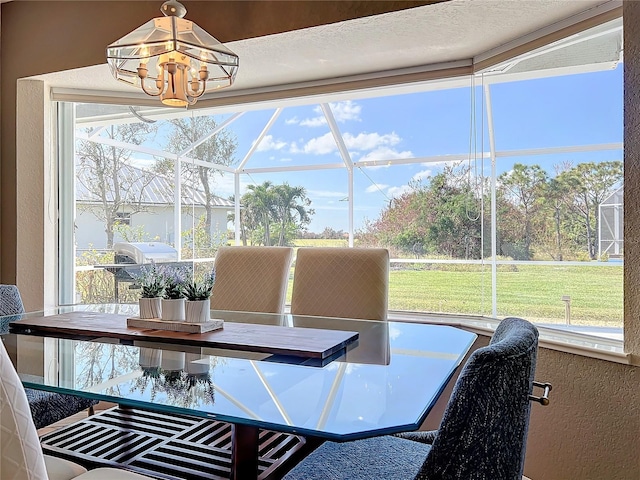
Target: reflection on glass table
pixel 387 383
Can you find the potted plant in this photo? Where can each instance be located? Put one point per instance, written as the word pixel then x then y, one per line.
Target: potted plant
pixel 152 284
pixel 175 279
pixel 198 306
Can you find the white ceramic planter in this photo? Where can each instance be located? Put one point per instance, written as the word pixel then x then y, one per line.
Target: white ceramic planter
pixel 149 357
pixel 195 367
pixel 173 309
pixel 198 311
pixel 150 307
pixel 172 361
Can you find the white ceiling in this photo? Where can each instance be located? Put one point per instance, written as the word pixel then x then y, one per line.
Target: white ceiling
pixel 456 30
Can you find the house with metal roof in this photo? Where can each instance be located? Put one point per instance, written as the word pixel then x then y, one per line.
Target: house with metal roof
pixel 145 205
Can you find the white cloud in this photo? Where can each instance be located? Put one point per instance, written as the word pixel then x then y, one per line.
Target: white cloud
pixel 377 143
pixel 422 175
pixel 293 148
pixel 375 188
pixel 292 121
pixel 286 159
pixel 268 143
pixel 398 191
pixel 385 153
pixel 343 111
pixel 313 122
pixel 317 146
pixel 369 141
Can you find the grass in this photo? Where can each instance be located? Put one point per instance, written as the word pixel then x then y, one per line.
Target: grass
pixel 531 291
pixel 320 242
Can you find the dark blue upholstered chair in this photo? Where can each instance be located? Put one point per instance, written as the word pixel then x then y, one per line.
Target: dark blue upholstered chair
pixel 482 435
pixel 46 407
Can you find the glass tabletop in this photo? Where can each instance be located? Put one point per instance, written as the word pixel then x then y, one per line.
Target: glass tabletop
pixel 386 383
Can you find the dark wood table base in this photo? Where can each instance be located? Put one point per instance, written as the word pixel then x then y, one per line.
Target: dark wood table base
pixel 170 446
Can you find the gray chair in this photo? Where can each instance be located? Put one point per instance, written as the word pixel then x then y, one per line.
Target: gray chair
pixel 46 407
pixel 483 431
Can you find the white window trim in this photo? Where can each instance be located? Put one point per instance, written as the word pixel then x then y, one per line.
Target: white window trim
pixel 553 338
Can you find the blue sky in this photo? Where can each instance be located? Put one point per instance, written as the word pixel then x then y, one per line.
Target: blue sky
pixel 560 111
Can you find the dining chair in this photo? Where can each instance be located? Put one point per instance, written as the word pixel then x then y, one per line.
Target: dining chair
pixel 483 431
pixel 21 456
pixel 251 279
pixel 46 407
pixel 341 282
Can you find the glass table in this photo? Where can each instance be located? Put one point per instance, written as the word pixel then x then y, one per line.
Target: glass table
pixel 386 382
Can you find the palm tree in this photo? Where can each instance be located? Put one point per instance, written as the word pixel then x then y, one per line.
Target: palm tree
pixel 281 205
pixel 259 205
pixel 291 207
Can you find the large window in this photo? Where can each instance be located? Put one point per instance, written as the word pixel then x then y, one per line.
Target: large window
pixel 496 196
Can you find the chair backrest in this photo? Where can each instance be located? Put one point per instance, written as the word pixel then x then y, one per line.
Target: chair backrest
pixel 341 282
pixel 484 428
pixel 21 456
pixel 251 279
pixel 10 304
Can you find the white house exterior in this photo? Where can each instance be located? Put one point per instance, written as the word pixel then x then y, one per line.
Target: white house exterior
pixel 151 210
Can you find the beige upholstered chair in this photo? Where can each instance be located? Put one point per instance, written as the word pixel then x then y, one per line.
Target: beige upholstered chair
pixel 251 279
pixel 341 282
pixel 21 456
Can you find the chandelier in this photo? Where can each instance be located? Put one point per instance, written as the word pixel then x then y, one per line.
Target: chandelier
pixel 172 58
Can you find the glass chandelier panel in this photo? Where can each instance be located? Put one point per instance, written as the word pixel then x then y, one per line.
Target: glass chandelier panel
pixel 172 58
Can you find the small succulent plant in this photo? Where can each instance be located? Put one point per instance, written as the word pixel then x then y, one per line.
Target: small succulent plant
pixel 200 290
pixel 175 279
pixel 151 281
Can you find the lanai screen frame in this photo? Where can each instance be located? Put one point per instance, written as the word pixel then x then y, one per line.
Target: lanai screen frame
pixel 484 81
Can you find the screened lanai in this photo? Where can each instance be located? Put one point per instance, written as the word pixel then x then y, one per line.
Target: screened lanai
pixel 475 183
pixel 611 220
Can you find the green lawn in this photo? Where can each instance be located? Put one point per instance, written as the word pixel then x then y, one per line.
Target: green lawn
pixel 320 242
pixel 530 291
pixel 533 292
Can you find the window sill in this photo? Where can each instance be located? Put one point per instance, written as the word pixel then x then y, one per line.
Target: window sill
pixel 556 337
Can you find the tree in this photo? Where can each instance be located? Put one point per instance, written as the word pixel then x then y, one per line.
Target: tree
pixel 102 171
pixel 524 185
pixel 259 210
pixel 456 224
pixel 291 208
pixel 218 149
pixel 441 217
pixel 590 184
pixel 273 214
pixel 553 199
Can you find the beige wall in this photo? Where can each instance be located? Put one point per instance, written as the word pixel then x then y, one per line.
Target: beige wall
pixel 591 430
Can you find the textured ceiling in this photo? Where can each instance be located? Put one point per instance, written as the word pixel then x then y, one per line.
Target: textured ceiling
pixel 431 34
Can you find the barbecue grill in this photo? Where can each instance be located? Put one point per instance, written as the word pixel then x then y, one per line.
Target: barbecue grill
pixel 130 256
pixel 144 252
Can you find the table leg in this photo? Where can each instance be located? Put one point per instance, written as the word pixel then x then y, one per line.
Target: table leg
pixel 244 452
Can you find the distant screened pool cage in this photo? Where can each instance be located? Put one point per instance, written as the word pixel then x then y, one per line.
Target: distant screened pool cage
pixel 610 223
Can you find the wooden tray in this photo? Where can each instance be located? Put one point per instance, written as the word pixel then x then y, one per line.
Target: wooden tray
pixel 249 337
pixel 187 327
